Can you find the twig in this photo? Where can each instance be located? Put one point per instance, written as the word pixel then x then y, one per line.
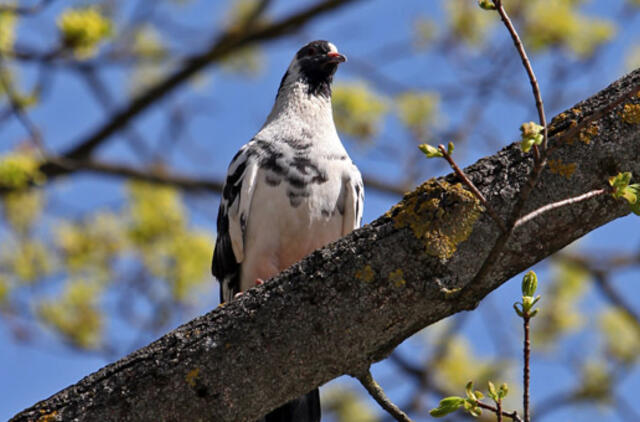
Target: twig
pixel 559 204
pixel 532 77
pixel 256 12
pixel 378 394
pixel 18 110
pixel 185 183
pixel 103 96
pixel 539 162
pixel 513 415
pixel 526 372
pixel 499 410
pixel 25 10
pixel 473 188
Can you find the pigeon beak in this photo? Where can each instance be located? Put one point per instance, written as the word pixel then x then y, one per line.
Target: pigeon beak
pixel 335 57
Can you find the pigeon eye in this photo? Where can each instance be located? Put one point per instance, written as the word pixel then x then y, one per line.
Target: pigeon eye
pixel 311 51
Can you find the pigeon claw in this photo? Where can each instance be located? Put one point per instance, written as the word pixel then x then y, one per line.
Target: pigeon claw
pixel 259 282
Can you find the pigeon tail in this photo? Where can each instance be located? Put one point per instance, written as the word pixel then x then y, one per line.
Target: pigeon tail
pixel 303 409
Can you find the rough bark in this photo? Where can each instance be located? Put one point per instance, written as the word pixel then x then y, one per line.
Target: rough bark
pixel 351 303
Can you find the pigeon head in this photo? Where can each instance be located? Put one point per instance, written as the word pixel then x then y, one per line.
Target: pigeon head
pixel 315 64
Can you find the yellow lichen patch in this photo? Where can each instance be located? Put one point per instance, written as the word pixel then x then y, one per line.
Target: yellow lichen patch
pixel 365 274
pixel 47 416
pixel 441 215
pixel 192 376
pixel 588 133
pixel 397 278
pixel 631 114
pixel 558 167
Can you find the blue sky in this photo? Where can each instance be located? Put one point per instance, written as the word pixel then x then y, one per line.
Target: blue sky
pixel 235 109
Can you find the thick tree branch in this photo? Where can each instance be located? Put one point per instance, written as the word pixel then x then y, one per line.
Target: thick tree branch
pixel 351 303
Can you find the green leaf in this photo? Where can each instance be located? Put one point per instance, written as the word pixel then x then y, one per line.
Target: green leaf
pixel 518 311
pixel 529 284
pixel 629 195
pixel 635 208
pixel 633 192
pixel 531 134
pixel 486 4
pixel 446 406
pixel 504 388
pixel 619 183
pixel 536 300
pixel 492 391
pixel 527 144
pixel 18 170
pixel 469 390
pixel 82 29
pixel 450 148
pixel 472 407
pixel 429 151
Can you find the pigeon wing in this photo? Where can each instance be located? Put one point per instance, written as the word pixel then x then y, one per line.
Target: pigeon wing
pixel 234 209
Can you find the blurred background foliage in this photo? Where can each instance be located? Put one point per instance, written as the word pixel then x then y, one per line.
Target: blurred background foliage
pixel 118 251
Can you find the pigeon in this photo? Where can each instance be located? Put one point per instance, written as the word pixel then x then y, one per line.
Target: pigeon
pixel 290 190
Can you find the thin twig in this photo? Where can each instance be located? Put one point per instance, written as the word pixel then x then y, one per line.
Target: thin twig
pixel 554 205
pixel 532 77
pixel 513 415
pixel 525 372
pixel 539 162
pixel 499 410
pixel 183 182
pixel 378 394
pixel 473 188
pixel 103 96
pixel 25 10
pixel 18 110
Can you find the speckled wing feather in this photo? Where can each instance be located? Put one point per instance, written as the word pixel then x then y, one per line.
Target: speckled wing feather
pixel 232 214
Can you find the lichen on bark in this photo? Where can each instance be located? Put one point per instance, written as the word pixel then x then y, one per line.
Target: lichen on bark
pixel 440 214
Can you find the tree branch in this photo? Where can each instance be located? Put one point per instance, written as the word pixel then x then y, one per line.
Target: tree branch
pixel 560 204
pixel 513 415
pixel 222 47
pixel 351 303
pixel 183 182
pixel 25 10
pixel 374 389
pixel 535 88
pixel 17 108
